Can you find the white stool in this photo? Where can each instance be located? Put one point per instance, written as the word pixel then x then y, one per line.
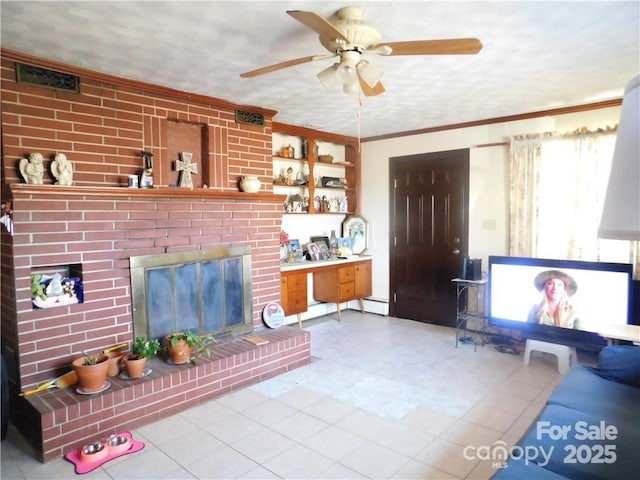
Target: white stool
pixel 566 355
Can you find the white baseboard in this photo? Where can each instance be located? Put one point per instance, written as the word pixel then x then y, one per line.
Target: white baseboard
pixel 320 309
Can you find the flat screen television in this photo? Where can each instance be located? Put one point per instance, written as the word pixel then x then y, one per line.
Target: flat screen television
pixel 596 295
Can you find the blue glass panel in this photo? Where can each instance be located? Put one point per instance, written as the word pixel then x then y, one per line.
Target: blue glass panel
pixel 187 304
pixel 233 301
pixel 159 301
pixel 211 296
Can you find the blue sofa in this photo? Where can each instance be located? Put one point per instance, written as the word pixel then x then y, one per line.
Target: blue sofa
pixel 590 426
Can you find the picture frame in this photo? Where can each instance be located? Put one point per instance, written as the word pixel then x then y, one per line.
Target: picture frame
pixel 356 228
pixel 313 251
pixel 294 246
pixel 321 241
pixel 344 247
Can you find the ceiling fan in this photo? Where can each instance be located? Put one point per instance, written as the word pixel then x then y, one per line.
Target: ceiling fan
pixel 349 37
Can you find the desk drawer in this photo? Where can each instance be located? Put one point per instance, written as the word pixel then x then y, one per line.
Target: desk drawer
pixel 297 282
pixel 347 290
pixel 297 303
pixel 293 293
pixel 347 274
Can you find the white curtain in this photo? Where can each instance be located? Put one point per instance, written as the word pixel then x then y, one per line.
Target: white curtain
pixel 558 184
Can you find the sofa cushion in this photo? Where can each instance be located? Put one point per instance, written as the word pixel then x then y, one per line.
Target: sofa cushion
pixel 586 449
pixel 518 469
pixel 585 391
pixel 620 363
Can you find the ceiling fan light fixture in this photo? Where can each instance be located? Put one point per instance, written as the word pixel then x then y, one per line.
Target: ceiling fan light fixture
pixel 369 73
pixel 328 77
pixel 351 88
pixel 347 72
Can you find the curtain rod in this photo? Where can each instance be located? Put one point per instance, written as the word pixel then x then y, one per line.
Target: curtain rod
pixel 496 144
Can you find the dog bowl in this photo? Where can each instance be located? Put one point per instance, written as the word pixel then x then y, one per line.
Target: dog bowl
pixel 94 452
pixel 118 444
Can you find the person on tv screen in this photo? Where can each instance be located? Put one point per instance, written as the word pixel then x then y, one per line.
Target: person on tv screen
pixel 556 307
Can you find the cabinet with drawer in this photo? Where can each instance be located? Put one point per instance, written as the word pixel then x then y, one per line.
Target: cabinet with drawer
pixel 343 284
pixel 293 293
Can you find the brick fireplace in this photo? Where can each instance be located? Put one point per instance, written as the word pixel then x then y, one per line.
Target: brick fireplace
pixel 91 229
pixel 97 232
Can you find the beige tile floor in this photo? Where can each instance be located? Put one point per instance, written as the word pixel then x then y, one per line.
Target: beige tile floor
pixel 382 398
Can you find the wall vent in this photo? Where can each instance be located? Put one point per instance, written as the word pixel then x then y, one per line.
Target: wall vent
pixel 250 118
pixel 44 77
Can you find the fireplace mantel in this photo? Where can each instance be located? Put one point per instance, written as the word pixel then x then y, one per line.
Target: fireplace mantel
pixel 155 192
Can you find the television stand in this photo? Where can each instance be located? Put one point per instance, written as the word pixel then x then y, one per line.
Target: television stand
pixel 566 355
pixel 463 314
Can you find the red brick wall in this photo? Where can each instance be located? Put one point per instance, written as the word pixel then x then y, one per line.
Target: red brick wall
pixel 102 130
pixel 100 233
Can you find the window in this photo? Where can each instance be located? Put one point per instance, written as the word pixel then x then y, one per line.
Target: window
pixel 558 186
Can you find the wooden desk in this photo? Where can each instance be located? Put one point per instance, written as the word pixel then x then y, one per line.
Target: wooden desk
pixel 334 281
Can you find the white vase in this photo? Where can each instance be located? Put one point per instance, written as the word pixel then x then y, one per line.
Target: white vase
pixel 250 184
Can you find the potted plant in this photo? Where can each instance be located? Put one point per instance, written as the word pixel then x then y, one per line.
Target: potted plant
pixel 141 349
pixel 185 347
pixel 91 371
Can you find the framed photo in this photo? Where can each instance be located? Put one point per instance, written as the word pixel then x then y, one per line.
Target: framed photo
pixel 356 228
pixel 313 251
pixel 344 247
pixel 294 246
pixel 321 242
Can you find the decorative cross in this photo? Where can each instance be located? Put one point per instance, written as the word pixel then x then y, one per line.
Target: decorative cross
pixel 185 166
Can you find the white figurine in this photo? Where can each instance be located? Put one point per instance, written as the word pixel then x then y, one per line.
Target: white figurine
pixel 32 169
pixel 54 289
pixel 62 169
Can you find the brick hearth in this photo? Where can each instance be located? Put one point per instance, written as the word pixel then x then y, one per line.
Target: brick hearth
pixel 66 420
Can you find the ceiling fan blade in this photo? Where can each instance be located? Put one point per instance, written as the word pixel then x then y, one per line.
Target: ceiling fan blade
pixel 452 46
pixel 281 65
pixel 318 24
pixel 377 89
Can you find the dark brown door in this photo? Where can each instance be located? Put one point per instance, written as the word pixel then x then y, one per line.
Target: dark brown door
pixel 429 234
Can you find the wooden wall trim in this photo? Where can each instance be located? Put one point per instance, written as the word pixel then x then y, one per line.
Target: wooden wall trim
pixel 509 118
pixel 147 87
pixel 155 192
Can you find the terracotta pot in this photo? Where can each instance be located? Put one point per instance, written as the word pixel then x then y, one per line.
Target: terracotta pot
pixel 91 378
pixel 180 353
pixel 135 365
pixel 114 363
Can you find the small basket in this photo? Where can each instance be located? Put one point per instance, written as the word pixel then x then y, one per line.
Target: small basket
pixel 325 158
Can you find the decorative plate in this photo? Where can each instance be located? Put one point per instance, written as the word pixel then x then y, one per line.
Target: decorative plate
pixel 273 315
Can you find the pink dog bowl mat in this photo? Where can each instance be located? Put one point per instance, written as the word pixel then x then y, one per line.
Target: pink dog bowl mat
pixel 86 467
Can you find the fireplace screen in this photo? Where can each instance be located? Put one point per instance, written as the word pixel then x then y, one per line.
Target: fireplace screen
pixel 206 291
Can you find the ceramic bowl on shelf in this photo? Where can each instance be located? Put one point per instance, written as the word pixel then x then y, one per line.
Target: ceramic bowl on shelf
pixel 250 184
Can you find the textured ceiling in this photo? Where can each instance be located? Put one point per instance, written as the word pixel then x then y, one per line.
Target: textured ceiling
pixel 536 55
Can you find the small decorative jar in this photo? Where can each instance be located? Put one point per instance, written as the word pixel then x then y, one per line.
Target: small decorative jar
pixel 250 184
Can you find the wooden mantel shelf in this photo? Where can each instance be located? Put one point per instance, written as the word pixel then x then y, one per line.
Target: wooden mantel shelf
pixel 133 193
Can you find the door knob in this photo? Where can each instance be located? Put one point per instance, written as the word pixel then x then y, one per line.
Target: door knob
pixel 455 251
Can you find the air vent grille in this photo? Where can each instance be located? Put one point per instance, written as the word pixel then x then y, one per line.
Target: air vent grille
pixel 249 118
pixel 44 77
